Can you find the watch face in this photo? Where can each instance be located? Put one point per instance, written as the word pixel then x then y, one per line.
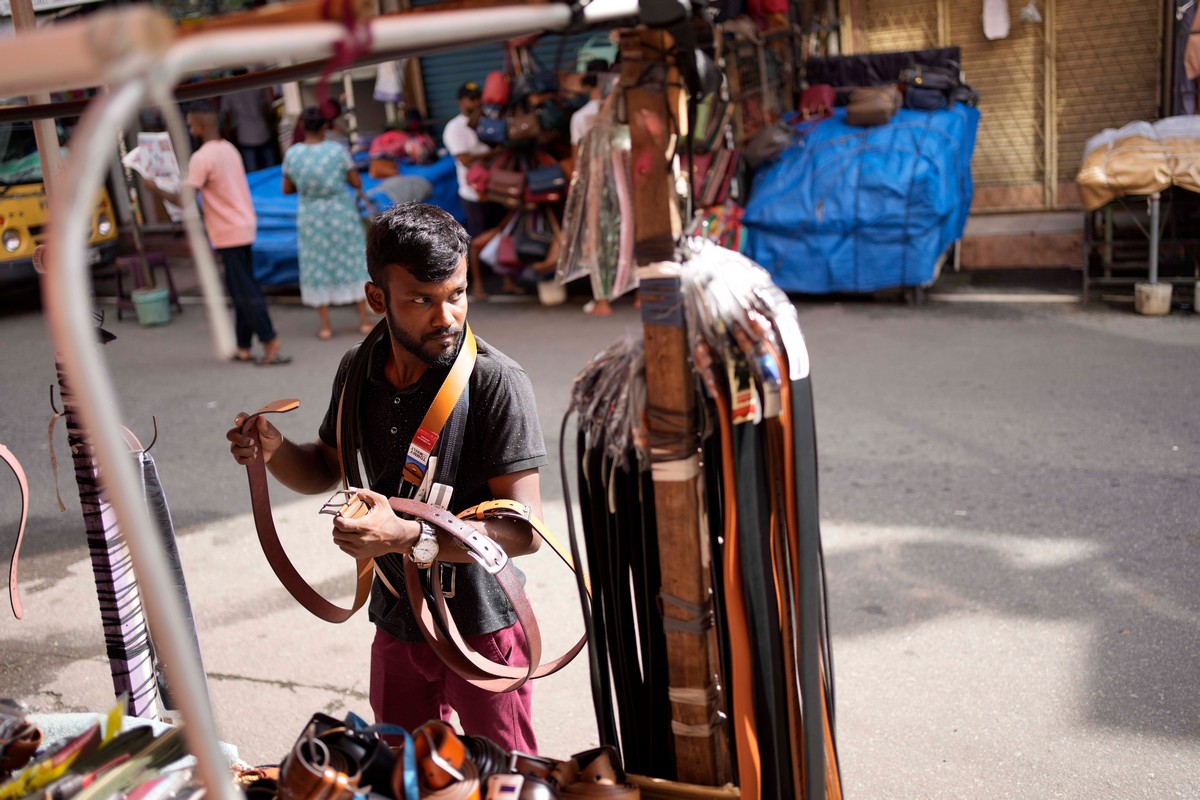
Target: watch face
pixel 425 550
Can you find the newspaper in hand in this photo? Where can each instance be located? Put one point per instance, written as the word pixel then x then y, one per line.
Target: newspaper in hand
pixel 154 159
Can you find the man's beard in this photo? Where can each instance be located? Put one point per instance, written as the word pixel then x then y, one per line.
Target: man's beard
pixel 418 347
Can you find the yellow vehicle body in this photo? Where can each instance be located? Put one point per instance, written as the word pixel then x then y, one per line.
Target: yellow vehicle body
pixel 24 214
pixel 24 209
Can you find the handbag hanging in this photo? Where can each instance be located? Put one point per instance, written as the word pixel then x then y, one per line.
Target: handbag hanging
pixel 506 186
pixel 523 127
pixel 546 178
pixel 492 131
pixel 533 237
pixel 479 175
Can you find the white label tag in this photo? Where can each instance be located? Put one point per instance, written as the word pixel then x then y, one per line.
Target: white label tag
pixel 427 481
pixel 440 495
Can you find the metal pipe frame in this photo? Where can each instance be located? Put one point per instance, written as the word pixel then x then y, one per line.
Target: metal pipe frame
pixel 136 73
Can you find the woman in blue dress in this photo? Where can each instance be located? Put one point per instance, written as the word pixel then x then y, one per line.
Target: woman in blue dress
pixel 333 261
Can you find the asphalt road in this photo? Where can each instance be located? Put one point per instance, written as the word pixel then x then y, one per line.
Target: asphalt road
pixel 1011 513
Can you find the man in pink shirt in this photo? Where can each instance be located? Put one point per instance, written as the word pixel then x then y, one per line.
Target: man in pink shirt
pixel 216 173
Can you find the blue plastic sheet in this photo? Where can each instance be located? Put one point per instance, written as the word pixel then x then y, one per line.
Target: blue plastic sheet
pixel 275 251
pixel 853 209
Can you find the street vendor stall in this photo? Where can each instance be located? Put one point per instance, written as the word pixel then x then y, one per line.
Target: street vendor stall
pixel 1129 178
pixel 744 684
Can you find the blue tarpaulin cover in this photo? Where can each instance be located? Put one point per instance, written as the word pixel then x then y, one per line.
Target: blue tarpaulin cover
pixel 855 209
pixel 275 250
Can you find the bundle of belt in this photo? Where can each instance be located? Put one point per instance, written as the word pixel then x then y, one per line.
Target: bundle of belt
pixel 771 695
pixel 339 760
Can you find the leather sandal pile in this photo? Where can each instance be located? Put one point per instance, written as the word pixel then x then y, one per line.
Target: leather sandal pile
pixel 772 699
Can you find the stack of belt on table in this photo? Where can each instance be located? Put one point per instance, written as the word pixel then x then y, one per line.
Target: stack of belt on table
pixel 339 760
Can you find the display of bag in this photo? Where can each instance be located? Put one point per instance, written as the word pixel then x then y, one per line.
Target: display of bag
pixel 816 102
pixel 964 94
pixel 523 127
pixel 768 144
pixel 492 131
pixel 546 178
pixel 551 117
pixel 942 79
pixel 507 257
pixel 922 99
pixel 506 186
pixel 479 175
pixel 533 237
pixel 872 105
pixel 497 88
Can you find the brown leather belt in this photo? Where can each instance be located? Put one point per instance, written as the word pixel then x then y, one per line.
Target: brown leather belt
pixel 450 645
pixel 14 595
pixel 268 536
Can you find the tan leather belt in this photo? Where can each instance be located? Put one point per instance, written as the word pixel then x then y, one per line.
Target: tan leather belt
pixel 14 595
pixel 268 537
pixel 426 437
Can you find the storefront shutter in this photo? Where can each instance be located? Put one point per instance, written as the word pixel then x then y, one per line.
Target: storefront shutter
pixel 1009 164
pixel 1106 72
pixel 443 73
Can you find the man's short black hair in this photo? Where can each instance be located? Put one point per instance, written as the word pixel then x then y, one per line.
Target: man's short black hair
pixel 423 239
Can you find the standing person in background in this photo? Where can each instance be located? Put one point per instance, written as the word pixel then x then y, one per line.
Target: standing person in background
pixel 463 143
pixel 250 113
pixel 581 120
pixel 333 262
pixel 216 173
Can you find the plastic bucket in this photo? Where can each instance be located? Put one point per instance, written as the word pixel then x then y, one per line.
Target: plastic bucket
pixel 551 292
pixel 153 306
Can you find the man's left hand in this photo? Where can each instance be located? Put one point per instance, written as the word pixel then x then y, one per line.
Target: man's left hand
pixel 376 533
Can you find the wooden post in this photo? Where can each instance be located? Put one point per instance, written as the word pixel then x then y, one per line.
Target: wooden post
pixel 650 87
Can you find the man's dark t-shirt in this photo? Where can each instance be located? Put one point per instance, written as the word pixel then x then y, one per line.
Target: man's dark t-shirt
pixel 502 436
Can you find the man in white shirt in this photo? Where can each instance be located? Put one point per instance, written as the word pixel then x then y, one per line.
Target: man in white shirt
pixel 463 143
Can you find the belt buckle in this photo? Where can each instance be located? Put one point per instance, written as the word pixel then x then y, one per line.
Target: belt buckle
pixel 345 503
pixel 448 583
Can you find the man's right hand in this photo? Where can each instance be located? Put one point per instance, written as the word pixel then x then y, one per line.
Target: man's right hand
pixel 242 446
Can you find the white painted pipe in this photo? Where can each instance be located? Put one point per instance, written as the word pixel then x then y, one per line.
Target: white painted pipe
pixel 69 316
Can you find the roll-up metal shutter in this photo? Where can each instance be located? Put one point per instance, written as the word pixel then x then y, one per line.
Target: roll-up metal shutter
pixel 892 26
pixel 443 73
pixel 1009 164
pixel 1108 57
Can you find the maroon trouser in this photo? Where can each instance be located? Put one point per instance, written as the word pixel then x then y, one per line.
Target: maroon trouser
pixel 410 685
